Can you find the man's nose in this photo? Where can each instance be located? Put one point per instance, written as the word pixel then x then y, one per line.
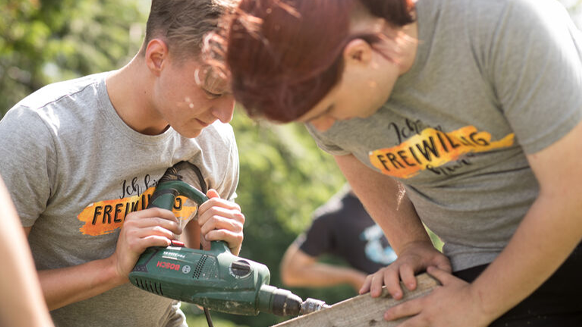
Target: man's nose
pixel 224 109
pixel 322 123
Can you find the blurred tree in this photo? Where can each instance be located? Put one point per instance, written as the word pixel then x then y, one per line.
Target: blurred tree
pixel 44 41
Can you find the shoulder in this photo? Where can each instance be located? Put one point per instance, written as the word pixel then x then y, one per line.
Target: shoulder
pixel 216 155
pixel 532 12
pixel 25 127
pixel 530 15
pixel 498 13
pixel 218 140
pixel 523 6
pixel 219 132
pixel 61 91
pixel 333 208
pixel 496 29
pixel 53 105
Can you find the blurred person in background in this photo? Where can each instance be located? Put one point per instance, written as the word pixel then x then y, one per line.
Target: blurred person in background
pixel 343 229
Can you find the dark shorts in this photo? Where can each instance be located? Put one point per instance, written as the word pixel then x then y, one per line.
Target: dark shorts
pixel 557 303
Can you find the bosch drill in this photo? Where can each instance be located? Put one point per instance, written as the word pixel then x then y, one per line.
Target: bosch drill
pixel 215 279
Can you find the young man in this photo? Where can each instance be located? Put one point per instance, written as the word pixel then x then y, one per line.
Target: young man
pixel 81 158
pixel 341 228
pixel 463 114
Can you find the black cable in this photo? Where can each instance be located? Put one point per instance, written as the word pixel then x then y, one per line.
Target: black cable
pixel 208 318
pixel 206 311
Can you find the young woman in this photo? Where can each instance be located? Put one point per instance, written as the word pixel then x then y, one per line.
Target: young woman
pixel 463 115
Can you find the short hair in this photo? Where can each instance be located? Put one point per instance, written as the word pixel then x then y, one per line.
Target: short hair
pixel 183 24
pixel 284 56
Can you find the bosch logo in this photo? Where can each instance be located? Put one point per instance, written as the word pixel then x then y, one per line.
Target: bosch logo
pixel 186 269
pixel 167 265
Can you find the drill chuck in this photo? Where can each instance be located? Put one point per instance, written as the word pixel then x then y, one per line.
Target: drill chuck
pixel 282 302
pixel 278 301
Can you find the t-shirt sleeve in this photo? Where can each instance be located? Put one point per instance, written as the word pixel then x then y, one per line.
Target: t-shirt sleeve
pixel 318 239
pixel 324 143
pixel 536 71
pixel 27 162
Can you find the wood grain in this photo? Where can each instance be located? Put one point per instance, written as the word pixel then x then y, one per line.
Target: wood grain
pixel 362 310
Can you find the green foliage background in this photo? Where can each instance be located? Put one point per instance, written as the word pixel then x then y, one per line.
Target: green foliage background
pixel 284 177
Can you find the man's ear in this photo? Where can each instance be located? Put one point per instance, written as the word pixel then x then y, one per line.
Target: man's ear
pixel 156 55
pixel 357 51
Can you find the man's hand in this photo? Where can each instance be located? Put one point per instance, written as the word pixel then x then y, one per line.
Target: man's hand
pixel 221 220
pixel 414 258
pixel 142 229
pixel 454 304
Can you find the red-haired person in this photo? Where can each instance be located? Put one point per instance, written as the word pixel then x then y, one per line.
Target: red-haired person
pixel 460 114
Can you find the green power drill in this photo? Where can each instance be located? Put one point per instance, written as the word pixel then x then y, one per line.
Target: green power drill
pixel 215 279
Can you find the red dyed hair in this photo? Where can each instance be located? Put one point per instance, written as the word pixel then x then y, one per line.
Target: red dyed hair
pixel 284 56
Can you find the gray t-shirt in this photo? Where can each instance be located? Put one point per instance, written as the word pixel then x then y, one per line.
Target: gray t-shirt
pixel 75 170
pixel 493 80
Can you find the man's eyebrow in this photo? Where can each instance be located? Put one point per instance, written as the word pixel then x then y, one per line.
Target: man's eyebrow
pixel 327 110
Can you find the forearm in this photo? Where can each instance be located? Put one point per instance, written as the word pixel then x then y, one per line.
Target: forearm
pixel 64 286
pixel 27 308
pixel 543 241
pixel 548 233
pixel 399 221
pixel 324 275
pixel 386 202
pixel 300 269
pixel 22 302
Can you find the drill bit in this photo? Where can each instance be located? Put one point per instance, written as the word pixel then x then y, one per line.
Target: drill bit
pixel 312 305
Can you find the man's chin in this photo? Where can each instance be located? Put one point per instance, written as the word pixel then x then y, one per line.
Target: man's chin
pixel 192 133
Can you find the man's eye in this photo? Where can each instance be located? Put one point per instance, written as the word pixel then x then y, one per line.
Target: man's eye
pixel 212 94
pixel 212 84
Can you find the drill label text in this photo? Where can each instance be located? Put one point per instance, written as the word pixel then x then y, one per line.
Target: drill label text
pixel 167 265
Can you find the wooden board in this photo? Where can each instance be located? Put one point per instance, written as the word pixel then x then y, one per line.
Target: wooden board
pixel 362 310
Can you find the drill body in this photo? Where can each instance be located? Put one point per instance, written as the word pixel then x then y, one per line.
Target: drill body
pixel 215 279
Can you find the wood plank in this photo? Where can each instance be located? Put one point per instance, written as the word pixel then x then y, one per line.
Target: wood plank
pixel 362 310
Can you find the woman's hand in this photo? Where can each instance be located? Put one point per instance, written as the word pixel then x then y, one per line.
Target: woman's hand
pixel 454 304
pixel 414 258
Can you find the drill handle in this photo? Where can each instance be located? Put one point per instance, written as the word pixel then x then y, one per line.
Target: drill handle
pixel 219 247
pixel 165 195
